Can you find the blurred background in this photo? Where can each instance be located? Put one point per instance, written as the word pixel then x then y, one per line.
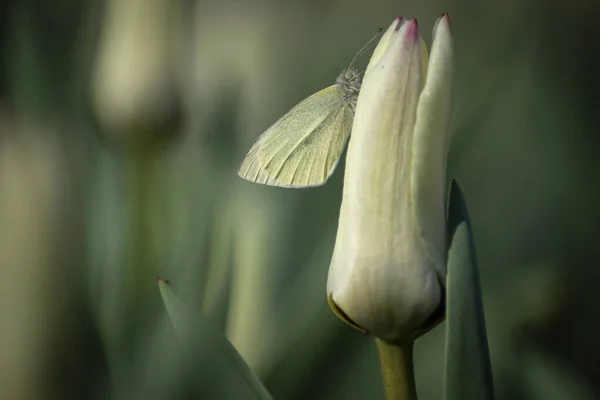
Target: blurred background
pixel 123 122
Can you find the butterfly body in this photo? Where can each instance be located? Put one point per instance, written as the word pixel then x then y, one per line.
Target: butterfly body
pixel 350 81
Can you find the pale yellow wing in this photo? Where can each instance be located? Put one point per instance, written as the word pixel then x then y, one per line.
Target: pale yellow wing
pixel 303 148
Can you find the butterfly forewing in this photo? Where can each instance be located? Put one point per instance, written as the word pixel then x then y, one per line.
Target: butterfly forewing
pixel 303 148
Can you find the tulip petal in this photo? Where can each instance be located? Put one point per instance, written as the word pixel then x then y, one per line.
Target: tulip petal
pixel 384 42
pixel 430 147
pixel 424 62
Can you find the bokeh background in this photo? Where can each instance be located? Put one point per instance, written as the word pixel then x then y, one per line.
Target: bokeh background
pixel 123 122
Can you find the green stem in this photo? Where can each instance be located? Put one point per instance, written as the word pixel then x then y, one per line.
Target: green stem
pixel 143 264
pixel 397 369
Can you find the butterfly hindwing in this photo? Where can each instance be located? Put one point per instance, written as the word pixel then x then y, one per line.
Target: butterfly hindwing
pixel 304 146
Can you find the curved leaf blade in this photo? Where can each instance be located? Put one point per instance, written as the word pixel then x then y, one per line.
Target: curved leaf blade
pixel 468 368
pixel 225 374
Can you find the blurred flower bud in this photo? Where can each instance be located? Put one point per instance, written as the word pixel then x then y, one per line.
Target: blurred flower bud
pixel 134 91
pixel 389 261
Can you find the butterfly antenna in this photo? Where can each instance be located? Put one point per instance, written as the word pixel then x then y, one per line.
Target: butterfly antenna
pixel 368 46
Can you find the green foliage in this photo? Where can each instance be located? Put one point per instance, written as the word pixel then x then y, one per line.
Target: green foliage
pixel 468 369
pixel 235 379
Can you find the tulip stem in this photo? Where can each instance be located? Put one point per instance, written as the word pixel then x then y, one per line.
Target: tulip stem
pixel 397 369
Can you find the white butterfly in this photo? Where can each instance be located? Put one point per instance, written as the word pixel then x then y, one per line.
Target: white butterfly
pixel 304 146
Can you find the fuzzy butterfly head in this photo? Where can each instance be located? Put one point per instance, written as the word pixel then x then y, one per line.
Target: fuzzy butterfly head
pixel 350 80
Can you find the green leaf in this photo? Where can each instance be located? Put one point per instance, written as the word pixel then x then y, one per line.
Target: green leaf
pixel 468 369
pixel 224 375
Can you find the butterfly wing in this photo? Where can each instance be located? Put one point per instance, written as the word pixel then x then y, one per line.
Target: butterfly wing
pixel 304 146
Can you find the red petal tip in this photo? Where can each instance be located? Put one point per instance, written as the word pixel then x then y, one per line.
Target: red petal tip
pixel 401 21
pixel 412 29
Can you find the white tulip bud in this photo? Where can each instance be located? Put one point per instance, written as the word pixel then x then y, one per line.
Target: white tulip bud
pixel 389 261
